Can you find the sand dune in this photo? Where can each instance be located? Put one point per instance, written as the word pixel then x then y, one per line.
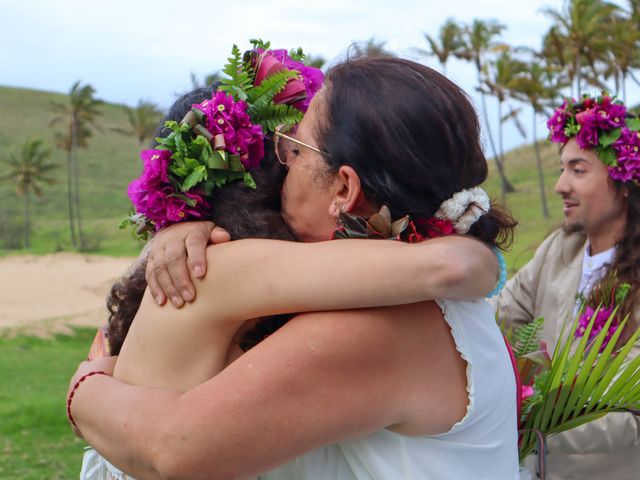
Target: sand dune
pixel 44 294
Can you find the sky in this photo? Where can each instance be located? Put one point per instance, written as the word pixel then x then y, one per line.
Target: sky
pixel 143 49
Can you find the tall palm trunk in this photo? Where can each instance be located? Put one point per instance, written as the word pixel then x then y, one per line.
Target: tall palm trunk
pixel 76 194
pixel 27 224
pixel 536 148
pixel 70 204
pixel 504 182
pixel 578 77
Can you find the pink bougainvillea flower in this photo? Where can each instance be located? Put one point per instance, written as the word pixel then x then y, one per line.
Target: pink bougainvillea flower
pixel 557 123
pixel 223 115
pixel 527 391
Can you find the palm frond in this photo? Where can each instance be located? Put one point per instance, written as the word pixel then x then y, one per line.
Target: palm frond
pixel 584 383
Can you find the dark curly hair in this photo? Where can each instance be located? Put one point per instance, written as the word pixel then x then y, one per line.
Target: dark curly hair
pixel 243 212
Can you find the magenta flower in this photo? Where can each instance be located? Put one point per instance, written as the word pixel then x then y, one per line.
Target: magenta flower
pixel 557 123
pixel 587 136
pixel 610 115
pixel 153 195
pixel 601 319
pixel 224 115
pixel 527 391
pixel 155 165
pixel 627 149
pixel 177 209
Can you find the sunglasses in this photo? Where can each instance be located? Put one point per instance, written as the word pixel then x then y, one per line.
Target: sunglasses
pixel 283 139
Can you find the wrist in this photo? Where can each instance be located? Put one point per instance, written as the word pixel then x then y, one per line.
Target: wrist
pixel 74 389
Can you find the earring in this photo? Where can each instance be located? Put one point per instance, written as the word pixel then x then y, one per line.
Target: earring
pixel 340 207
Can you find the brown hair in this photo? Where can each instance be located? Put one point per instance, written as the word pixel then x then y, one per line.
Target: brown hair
pixel 627 260
pixel 411 134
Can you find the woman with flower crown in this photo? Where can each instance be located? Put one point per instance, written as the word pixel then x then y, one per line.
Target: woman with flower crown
pixel 423 390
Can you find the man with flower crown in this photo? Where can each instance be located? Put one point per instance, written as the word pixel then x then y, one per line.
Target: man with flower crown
pixel 593 261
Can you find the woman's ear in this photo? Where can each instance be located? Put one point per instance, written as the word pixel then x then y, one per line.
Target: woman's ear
pixel 348 195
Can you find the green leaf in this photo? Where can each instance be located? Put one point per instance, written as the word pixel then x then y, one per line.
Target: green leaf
pixel 218 160
pixel 609 138
pixel 633 124
pixel 197 175
pixel 249 181
pixel 526 339
pixel 607 156
pixel 270 87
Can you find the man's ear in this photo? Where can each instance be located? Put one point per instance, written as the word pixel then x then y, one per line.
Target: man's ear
pixel 348 196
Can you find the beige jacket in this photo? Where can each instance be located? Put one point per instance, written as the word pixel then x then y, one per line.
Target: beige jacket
pixel 606 449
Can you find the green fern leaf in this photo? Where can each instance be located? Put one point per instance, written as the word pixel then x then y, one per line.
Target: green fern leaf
pixel 270 116
pixel 526 339
pixel 270 87
pixel 240 76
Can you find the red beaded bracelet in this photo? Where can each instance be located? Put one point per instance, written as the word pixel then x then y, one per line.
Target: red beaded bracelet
pixel 73 391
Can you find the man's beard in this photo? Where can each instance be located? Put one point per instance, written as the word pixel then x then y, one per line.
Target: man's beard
pixel 572 227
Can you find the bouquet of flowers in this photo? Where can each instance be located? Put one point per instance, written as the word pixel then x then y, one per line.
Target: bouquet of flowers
pixel 221 139
pixel 588 376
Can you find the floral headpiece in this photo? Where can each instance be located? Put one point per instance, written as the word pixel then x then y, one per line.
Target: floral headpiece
pixel 601 123
pixel 221 139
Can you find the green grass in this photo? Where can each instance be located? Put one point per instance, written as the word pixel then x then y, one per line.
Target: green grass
pixel 36 442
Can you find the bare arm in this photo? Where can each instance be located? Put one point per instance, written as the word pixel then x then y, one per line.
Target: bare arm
pixel 255 278
pixel 313 383
pixel 452 267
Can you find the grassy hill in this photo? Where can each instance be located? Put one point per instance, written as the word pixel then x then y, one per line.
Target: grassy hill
pixel 105 168
pixel 111 162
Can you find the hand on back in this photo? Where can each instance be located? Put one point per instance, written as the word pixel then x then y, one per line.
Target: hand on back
pixel 177 253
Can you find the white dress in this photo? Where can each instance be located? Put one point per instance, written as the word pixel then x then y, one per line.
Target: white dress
pixel 483 445
pixel 95 467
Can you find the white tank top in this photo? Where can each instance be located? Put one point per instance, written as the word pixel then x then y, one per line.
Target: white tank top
pixel 483 445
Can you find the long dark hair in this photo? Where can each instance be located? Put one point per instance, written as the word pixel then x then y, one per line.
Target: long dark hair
pixel 626 261
pixel 243 212
pixel 412 136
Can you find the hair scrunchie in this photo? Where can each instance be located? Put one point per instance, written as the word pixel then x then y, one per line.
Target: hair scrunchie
pixel 464 208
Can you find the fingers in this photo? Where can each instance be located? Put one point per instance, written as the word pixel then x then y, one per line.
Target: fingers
pixel 219 235
pixel 153 284
pixel 176 251
pixel 196 243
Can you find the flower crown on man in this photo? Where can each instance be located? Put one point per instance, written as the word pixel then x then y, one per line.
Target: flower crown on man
pixel 221 139
pixel 601 123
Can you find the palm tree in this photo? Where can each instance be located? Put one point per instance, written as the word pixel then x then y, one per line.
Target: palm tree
pixel 479 41
pixel 143 120
pixel 500 73
pixel 371 48
pixel 624 53
pixel 537 85
pixel 77 117
pixel 28 172
pixel 583 28
pixel 448 42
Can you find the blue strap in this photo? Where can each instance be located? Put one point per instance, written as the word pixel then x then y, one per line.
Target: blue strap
pixel 502 278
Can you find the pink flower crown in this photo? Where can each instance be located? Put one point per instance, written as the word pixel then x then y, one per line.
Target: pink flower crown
pixel 221 139
pixel 601 123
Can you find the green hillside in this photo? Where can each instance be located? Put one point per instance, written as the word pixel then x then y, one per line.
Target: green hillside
pixel 105 169
pixel 111 162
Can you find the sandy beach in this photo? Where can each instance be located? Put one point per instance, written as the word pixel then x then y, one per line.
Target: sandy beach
pixel 47 294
